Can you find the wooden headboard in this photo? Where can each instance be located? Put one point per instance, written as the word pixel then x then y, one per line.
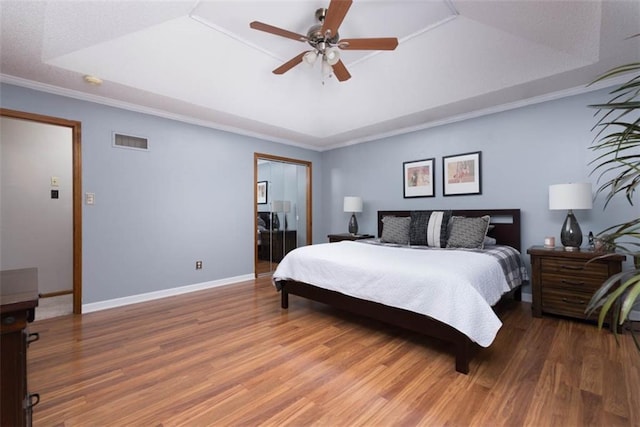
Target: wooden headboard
pixel 506 223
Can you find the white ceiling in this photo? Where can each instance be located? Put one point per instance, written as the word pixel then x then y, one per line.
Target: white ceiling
pixel 200 62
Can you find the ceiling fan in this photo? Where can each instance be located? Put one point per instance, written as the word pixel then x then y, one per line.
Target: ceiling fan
pixel 325 41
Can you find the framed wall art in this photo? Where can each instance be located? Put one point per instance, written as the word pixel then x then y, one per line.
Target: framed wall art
pixel 418 177
pixel 262 192
pixel 461 174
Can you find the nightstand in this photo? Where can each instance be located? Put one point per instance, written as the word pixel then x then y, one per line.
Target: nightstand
pixel 346 236
pixel 563 282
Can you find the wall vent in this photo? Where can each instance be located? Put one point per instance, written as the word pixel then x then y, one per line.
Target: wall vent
pixel 129 141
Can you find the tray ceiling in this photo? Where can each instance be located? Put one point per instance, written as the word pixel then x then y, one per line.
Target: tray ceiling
pixel 200 62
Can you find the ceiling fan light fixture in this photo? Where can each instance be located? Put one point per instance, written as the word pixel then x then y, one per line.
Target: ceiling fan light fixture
pixel 310 57
pixel 324 40
pixel 327 69
pixel 332 55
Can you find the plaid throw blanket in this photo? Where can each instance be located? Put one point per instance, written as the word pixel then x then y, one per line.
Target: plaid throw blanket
pixel 515 272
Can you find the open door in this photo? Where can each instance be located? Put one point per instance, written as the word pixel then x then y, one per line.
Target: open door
pixel 38 124
pixel 282 206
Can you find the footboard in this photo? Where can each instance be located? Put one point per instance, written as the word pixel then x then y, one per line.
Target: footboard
pixel 394 316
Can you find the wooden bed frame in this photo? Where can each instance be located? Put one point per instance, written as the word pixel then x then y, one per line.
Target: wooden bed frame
pixel 506 231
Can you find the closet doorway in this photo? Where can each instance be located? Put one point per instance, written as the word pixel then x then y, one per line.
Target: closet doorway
pixel 282 209
pixel 36 188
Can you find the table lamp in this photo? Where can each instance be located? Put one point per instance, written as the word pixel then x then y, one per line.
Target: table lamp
pixel 570 197
pixel 353 204
pixel 276 206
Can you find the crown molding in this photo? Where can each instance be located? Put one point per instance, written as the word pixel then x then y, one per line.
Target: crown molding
pixel 110 102
pixel 566 93
pixel 70 93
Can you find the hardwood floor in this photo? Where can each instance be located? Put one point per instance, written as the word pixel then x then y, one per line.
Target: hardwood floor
pixel 264 267
pixel 231 356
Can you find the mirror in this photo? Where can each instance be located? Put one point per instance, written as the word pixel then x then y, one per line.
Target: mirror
pixel 282 209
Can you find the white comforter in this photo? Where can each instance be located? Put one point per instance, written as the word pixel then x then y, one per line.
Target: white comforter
pixel 454 287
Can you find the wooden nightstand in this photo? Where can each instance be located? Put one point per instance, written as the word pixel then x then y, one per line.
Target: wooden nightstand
pixel 563 282
pixel 346 236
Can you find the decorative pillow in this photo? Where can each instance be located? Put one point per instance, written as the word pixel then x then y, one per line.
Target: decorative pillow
pixel 418 227
pixel 395 230
pixel 437 228
pixel 429 228
pixel 489 241
pixel 468 232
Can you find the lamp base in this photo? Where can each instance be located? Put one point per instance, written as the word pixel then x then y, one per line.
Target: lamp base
pixel 571 234
pixel 353 225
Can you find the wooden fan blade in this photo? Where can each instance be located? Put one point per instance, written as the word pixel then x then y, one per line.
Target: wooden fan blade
pixel 277 31
pixel 340 71
pixel 336 12
pixel 289 64
pixel 383 43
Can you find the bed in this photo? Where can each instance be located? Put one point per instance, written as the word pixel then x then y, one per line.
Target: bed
pixel 505 229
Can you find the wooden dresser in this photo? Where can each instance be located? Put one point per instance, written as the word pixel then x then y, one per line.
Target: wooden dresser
pixel 563 282
pixel 18 300
pixel 276 244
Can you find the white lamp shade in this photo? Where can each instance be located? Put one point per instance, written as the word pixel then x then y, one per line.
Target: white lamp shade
pixel 332 55
pixel 277 206
pixel 310 57
pixel 286 206
pixel 327 69
pixel 352 204
pixel 570 196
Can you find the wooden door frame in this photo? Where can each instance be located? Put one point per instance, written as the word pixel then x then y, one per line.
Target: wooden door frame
pixel 77 191
pixel 308 169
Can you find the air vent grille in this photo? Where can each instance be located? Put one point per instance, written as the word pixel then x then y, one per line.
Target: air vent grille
pixel 130 141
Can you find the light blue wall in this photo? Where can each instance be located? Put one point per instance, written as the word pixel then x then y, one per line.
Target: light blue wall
pixel 523 151
pixel 189 198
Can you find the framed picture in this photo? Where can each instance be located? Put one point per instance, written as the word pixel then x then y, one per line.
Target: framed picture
pixel 418 178
pixel 262 192
pixel 461 174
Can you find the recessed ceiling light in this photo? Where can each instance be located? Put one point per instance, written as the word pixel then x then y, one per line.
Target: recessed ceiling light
pixel 93 80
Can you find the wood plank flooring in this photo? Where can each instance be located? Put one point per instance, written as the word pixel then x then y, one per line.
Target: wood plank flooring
pixel 231 356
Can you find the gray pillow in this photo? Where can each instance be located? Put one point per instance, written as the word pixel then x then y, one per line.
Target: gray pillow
pixel 468 232
pixel 489 241
pixel 418 227
pixel 395 230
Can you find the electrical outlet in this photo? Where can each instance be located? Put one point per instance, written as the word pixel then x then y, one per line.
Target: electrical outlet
pixel 198 265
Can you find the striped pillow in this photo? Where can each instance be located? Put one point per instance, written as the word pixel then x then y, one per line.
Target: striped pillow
pixel 437 229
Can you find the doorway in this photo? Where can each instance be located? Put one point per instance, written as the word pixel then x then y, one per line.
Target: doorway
pixel 56 192
pixel 282 209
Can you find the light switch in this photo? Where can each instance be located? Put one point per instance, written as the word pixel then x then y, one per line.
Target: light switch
pixel 89 198
pixel 55 181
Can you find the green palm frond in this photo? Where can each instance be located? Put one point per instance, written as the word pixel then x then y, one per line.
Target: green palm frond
pixel 619 301
pixel 617 165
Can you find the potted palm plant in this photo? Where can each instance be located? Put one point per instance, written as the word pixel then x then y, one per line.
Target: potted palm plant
pixel 617 163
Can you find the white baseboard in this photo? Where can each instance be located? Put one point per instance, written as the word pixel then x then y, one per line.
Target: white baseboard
pixel 134 299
